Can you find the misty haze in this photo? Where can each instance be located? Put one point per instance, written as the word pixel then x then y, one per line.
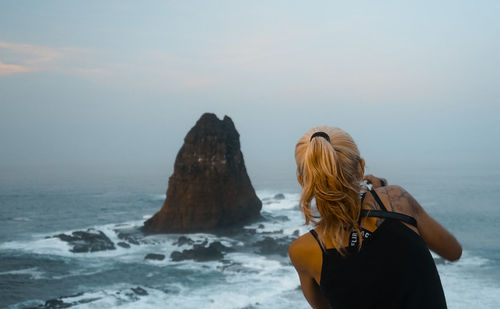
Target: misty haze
pixel 96 100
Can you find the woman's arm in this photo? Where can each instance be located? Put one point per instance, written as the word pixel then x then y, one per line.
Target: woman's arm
pixel 312 293
pixel 438 239
pixel 310 288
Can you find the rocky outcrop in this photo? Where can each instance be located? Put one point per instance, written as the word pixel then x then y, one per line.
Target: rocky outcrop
pixel 270 246
pixel 183 240
pixel 210 187
pixel 200 253
pixel 123 244
pixel 87 241
pixel 279 196
pixel 154 256
pixel 139 291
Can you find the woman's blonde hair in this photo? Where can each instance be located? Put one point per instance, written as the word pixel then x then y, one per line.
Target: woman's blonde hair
pixel 330 173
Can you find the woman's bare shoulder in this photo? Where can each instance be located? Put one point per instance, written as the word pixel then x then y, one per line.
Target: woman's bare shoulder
pixel 302 243
pixel 301 248
pixel 397 199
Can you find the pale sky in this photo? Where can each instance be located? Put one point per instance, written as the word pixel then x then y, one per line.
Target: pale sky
pixel 106 85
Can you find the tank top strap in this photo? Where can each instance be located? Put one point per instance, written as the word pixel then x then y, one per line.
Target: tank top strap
pixel 385 213
pixel 313 232
pixel 362 197
pixel 378 200
pixel 389 215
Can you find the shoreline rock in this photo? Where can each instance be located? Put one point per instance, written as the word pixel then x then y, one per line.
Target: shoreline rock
pixel 91 240
pixel 200 253
pixel 154 256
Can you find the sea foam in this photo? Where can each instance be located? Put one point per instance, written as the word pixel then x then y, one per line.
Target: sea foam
pixel 242 279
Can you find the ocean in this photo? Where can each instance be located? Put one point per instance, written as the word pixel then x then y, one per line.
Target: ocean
pixel 38 270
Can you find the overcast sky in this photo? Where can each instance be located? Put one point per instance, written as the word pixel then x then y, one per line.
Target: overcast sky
pixel 106 85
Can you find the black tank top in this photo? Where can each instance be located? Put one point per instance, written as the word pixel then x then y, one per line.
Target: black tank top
pixel 393 269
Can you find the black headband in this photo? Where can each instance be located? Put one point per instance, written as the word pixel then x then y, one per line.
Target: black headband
pixel 322 134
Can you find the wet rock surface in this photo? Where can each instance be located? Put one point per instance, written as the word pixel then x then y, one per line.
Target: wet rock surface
pixel 90 240
pixel 271 245
pixel 63 302
pixel 123 244
pixel 154 256
pixel 56 303
pixel 80 299
pixel 130 235
pixel 183 240
pixel 139 291
pixel 236 267
pixel 201 252
pixel 279 196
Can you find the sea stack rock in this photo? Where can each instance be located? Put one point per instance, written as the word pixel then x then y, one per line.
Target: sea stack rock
pixel 210 187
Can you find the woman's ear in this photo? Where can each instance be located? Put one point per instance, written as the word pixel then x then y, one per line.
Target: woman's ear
pixel 362 164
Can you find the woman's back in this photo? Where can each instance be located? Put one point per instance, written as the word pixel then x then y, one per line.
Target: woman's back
pixel 393 269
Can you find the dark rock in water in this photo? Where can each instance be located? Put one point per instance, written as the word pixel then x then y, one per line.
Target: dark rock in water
pixel 236 267
pixel 296 233
pixel 130 235
pixel 65 237
pixel 254 306
pixel 270 246
pixel 139 291
pixel 200 253
pixel 177 256
pixel 250 232
pixel 56 304
pixel 281 218
pixel 87 241
pixel 273 232
pixel 154 256
pixel 279 196
pixel 72 295
pixel 88 300
pixel 217 245
pixel 210 187
pixel 268 216
pixel 123 244
pixel 183 240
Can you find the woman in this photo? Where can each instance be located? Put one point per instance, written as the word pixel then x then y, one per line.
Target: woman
pixel 369 248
